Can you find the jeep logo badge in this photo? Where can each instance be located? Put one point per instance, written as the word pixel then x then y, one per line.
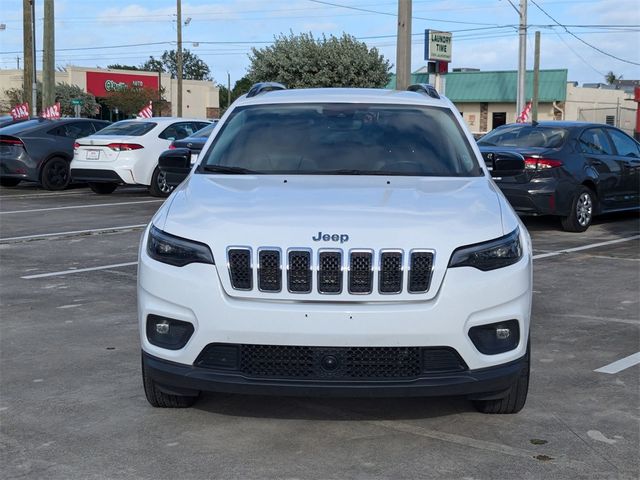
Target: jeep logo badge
pixel 331 237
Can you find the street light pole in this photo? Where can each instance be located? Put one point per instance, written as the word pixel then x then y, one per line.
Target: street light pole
pixel 34 85
pixel 179 56
pixel 522 57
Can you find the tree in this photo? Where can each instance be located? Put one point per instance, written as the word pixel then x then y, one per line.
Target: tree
pixel 117 66
pixel 193 67
pixel 612 78
pixel 64 93
pixel 131 100
pixel 300 61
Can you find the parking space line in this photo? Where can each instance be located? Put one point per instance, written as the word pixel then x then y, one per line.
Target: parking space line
pixel 621 364
pixel 585 247
pixel 78 270
pixel 81 206
pixel 36 195
pixel 72 232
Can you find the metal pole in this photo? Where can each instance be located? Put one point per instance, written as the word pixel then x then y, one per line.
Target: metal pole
pixel 179 56
pixel 48 55
pixel 27 40
pixel 522 57
pixel 617 122
pixel 34 86
pixel 536 80
pixel 403 48
pixel 159 93
pixel 228 90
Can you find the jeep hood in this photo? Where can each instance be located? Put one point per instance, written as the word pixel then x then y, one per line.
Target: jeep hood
pixel 376 212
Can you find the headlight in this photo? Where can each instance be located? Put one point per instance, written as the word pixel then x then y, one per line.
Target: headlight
pixel 177 251
pixel 490 255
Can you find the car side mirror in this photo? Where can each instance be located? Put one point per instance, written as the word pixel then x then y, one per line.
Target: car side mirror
pixel 504 164
pixel 175 164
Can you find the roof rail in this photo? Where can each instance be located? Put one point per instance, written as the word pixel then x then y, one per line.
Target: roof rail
pixel 264 87
pixel 424 88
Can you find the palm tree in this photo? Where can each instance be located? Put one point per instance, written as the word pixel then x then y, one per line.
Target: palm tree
pixel 612 78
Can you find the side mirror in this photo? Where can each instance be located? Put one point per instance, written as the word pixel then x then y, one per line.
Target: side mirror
pixel 176 165
pixel 504 164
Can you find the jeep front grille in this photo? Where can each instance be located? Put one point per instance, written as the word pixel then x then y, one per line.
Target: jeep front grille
pixel 363 271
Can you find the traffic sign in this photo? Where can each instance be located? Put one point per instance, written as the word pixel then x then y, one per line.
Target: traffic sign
pixel 76 101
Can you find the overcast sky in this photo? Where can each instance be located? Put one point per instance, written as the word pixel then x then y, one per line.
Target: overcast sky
pixel 225 30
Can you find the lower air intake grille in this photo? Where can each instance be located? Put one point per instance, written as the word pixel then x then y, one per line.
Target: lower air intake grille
pixel 420 273
pixel 299 276
pixel 330 363
pixel 240 268
pixel 330 272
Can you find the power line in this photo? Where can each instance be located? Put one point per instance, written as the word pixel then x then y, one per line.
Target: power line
pixel 580 39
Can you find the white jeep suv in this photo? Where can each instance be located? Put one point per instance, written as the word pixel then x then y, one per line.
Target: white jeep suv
pixel 336 242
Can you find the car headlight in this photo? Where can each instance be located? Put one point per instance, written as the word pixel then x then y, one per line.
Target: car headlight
pixel 490 255
pixel 167 248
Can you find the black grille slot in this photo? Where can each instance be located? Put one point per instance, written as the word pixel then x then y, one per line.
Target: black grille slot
pixel 240 268
pixel 390 272
pixel 330 363
pixel 330 272
pixel 299 276
pixel 420 272
pixel 269 271
pixel 360 272
pixel 442 359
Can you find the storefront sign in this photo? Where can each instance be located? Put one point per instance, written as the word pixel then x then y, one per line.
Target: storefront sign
pixel 102 84
pixel 437 45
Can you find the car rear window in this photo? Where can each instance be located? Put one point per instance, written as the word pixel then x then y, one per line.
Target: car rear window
pixel 204 132
pixel 128 128
pixel 343 138
pixel 526 136
pixel 26 125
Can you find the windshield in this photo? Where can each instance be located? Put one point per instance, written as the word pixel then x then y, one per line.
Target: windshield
pixel 128 128
pixel 204 132
pixel 525 136
pixel 344 138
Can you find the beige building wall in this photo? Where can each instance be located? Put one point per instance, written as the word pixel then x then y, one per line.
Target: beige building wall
pixel 596 104
pixel 197 95
pixel 473 114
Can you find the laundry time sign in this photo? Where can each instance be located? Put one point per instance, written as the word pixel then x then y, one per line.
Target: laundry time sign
pixel 437 45
pixel 102 83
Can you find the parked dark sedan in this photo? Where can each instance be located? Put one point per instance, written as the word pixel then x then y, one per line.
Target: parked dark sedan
pixel 572 170
pixel 40 150
pixel 6 120
pixel 195 141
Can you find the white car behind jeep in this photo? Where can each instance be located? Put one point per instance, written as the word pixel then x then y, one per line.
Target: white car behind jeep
pixel 336 242
pixel 126 152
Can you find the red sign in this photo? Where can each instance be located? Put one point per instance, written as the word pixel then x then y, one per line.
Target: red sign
pixel 103 83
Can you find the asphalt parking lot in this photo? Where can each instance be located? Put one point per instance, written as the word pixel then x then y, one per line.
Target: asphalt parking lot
pixel 72 404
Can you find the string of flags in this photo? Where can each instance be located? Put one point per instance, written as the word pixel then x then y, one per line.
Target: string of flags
pixel 20 111
pixel 147 111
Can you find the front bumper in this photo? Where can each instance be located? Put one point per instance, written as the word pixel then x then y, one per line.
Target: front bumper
pixel 481 384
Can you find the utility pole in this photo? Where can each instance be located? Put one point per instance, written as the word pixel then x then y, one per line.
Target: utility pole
pixel 34 83
pixel 179 56
pixel 522 57
pixel 536 79
pixel 403 48
pixel 48 56
pixel 228 90
pixel 27 45
pixel 18 62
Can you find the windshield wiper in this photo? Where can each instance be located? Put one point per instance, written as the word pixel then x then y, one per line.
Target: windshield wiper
pixel 226 169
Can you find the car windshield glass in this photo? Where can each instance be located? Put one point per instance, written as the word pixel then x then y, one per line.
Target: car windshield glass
pixel 128 128
pixel 204 132
pixel 20 126
pixel 525 136
pixel 344 139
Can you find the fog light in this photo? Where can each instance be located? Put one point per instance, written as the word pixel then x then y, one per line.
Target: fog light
pixel 496 338
pixel 167 332
pixel 162 327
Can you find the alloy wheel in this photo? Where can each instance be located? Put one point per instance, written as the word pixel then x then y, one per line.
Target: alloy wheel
pixel 584 209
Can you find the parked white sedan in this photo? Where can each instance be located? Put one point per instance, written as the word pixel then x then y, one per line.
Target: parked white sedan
pixel 127 152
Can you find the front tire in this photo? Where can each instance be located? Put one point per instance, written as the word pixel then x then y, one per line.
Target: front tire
pixel 517 396
pixel 159 399
pixel 55 174
pixel 159 187
pixel 103 188
pixel 582 208
pixel 9 182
